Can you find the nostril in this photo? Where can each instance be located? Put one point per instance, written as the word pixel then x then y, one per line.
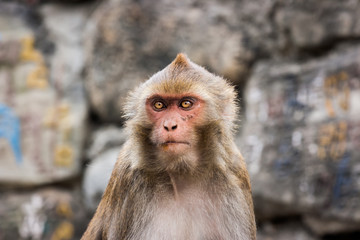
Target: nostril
pixel 174 127
pixel 166 128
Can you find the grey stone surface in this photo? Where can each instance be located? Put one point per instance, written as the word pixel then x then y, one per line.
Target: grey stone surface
pixel 310 24
pixel 301 134
pixel 45 214
pixel 293 230
pixel 103 151
pixel 105 138
pixel 97 175
pixel 66 26
pixel 321 226
pixel 42 105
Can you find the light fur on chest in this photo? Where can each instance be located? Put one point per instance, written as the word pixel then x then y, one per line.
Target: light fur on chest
pixel 194 214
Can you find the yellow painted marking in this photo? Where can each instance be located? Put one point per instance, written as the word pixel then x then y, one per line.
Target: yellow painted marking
pixel 64 231
pixel 64 209
pixel 63 156
pixel 37 78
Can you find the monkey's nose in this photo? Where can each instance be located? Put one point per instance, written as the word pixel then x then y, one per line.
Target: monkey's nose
pixel 170 127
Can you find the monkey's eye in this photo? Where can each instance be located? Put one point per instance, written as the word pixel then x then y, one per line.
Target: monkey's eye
pixel 159 105
pixel 186 104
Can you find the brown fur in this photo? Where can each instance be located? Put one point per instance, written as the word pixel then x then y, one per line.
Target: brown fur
pixel 146 199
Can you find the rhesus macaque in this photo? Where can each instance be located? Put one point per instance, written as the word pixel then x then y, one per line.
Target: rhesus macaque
pixel 179 176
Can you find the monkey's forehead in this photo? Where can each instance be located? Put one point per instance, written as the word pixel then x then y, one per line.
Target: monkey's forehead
pixel 179 81
pixel 177 87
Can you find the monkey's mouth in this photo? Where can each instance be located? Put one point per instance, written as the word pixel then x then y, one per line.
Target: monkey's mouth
pixel 174 142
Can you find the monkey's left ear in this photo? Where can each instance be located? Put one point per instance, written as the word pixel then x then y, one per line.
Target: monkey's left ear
pixel 230 110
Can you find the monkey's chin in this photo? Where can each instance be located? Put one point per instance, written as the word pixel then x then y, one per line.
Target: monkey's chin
pixel 176 148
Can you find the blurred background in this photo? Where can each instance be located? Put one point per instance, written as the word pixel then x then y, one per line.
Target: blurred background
pixel 66 66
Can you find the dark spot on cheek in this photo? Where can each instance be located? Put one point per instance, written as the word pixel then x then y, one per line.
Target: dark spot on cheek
pixel 187 117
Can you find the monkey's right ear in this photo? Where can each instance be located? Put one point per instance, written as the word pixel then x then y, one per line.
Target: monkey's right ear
pixel 181 61
pixel 131 104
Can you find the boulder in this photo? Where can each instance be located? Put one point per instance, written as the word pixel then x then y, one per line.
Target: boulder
pixel 105 138
pixel 42 104
pixel 309 24
pixel 96 177
pixel 301 135
pixel 103 152
pixel 292 229
pixel 322 226
pixel 49 213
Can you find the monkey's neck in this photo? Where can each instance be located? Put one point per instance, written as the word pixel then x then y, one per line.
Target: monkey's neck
pixel 175 185
pixel 182 184
pixel 179 184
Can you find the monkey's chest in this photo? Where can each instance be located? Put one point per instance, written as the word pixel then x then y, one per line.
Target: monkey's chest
pixel 192 216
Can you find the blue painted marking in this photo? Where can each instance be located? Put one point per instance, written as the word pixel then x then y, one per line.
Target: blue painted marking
pixel 343 181
pixel 10 130
pixel 285 165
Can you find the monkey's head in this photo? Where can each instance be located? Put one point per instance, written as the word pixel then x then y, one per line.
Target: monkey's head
pixel 180 115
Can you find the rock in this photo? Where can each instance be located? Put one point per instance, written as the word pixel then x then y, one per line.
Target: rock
pixel 129 41
pixel 42 111
pixel 103 152
pixel 307 25
pixel 322 226
pixel 267 209
pixel 96 177
pixel 301 134
pixel 65 26
pixel 42 214
pixel 293 230
pixel 105 138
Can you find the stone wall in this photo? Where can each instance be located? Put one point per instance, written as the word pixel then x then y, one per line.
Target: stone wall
pixel 66 67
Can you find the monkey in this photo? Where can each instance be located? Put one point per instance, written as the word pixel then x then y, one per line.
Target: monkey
pixel 179 175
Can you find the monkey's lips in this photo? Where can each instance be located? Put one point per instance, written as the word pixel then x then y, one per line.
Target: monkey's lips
pixel 175 142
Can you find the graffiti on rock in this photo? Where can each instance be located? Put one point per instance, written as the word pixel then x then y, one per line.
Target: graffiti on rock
pixel 10 130
pixel 38 77
pixel 34 219
pixel 311 134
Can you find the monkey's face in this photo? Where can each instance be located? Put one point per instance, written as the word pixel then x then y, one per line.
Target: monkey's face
pixel 174 118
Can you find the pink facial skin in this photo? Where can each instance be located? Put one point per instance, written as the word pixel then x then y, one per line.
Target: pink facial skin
pixel 173 123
